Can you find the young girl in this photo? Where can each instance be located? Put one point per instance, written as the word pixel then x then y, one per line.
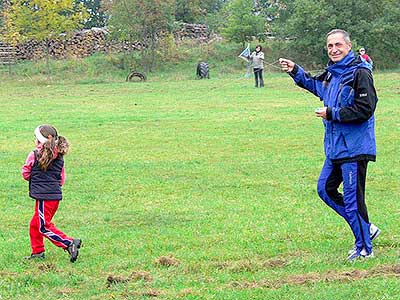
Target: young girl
pixel 44 169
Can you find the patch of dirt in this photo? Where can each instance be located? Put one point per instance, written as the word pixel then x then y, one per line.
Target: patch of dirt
pixel 146 293
pixel 185 293
pixel 135 276
pixel 47 267
pixel 6 273
pixel 241 266
pixel 141 275
pixel 275 263
pixel 303 279
pixel 167 261
pixel 116 279
pixel 66 292
pixel 251 266
pixel 222 265
pixel 152 293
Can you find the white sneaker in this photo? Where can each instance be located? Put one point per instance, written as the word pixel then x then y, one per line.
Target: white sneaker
pixel 374 232
pixel 364 253
pixel 353 255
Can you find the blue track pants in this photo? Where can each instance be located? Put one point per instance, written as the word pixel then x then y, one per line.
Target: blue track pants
pixel 351 204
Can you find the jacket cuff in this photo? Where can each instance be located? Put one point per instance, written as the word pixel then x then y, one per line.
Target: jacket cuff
pixel 329 113
pixel 332 114
pixel 294 71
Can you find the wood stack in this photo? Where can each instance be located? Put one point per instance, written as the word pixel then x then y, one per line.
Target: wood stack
pixel 89 41
pixel 198 32
pixel 7 54
pixel 30 50
pixel 80 44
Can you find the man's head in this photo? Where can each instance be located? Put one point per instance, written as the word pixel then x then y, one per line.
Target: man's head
pixel 338 44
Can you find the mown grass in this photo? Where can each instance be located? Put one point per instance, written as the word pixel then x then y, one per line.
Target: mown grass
pixel 215 173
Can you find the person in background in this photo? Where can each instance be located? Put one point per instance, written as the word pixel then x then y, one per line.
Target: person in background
pixel 365 56
pixel 257 57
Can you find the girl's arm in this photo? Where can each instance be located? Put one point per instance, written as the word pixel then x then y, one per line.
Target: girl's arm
pixel 63 176
pixel 27 167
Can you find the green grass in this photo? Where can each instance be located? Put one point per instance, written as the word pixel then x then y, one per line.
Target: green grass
pixel 217 174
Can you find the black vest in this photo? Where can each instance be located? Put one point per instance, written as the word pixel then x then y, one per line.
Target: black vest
pixel 46 185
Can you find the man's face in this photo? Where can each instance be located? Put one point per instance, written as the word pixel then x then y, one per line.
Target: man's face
pixel 337 47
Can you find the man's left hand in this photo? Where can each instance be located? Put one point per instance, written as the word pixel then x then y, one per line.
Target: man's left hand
pixel 321 112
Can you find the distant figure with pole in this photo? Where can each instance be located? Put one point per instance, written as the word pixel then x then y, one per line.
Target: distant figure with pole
pixel 257 57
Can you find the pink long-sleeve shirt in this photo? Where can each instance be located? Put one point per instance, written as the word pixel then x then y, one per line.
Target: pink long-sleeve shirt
pixel 30 160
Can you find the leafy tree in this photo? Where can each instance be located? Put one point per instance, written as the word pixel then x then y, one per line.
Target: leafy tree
pixel 188 11
pixel 378 31
pixel 97 15
pixel 372 24
pixel 197 11
pixel 142 20
pixel 42 20
pixel 3 5
pixel 242 22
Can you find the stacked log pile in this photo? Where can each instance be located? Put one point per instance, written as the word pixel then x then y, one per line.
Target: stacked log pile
pixel 7 54
pixel 198 32
pixel 30 50
pixel 81 44
pixel 87 42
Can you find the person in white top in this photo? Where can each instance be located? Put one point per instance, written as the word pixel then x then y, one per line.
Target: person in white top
pixel 258 60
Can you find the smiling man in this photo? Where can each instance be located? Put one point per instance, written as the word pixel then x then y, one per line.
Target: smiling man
pixel 347 91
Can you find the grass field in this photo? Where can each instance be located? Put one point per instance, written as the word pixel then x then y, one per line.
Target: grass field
pixel 193 190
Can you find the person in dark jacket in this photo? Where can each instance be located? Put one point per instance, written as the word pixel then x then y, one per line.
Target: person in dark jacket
pixel 349 97
pixel 44 169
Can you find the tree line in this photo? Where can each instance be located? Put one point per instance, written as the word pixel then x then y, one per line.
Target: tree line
pixel 297 27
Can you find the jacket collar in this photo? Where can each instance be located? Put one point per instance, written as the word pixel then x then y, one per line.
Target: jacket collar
pixel 348 63
pixel 341 66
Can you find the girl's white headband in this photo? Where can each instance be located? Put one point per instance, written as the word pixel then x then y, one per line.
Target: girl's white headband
pixel 40 136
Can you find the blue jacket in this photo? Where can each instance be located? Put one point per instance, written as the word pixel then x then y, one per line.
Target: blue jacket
pixel 46 185
pixel 347 90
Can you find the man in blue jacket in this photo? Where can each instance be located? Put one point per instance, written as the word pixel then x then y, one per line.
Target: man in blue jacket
pixel 347 90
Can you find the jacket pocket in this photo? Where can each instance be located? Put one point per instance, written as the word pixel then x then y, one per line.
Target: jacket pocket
pixel 339 146
pixel 346 96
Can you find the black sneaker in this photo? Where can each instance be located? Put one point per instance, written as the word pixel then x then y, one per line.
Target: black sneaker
pixel 73 249
pixel 35 255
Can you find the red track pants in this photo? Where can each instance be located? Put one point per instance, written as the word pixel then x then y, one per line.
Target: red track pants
pixel 41 226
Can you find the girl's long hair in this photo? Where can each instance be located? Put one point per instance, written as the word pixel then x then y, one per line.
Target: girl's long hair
pixel 55 143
